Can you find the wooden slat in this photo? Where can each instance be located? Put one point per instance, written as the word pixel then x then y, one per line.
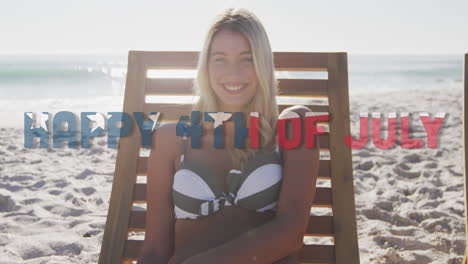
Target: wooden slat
pixel 142 166
pixel 137 221
pixel 284 61
pixel 323 196
pixel 139 193
pixel 181 60
pixel 324 169
pixel 317 254
pixel 115 231
pixel 169 86
pixel 303 88
pixel 324 142
pixel 300 61
pixel 346 244
pixel 172 112
pixel 287 87
pixel 132 249
pixel 320 225
pixel 313 254
pixel 317 226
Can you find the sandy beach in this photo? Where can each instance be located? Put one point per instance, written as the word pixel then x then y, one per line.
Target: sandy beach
pixel 409 202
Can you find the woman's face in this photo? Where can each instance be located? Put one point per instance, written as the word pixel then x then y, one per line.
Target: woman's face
pixel 231 69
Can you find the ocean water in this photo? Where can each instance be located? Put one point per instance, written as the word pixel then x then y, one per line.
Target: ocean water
pixel 42 76
pixel 97 82
pixel 375 73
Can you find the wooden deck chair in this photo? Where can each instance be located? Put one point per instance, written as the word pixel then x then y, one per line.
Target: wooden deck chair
pixel 341 225
pixel 465 154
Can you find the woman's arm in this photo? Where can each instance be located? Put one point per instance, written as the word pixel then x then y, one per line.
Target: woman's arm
pixel 158 246
pixel 282 235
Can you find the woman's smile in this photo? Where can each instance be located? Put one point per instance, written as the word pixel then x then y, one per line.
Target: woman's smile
pixel 234 88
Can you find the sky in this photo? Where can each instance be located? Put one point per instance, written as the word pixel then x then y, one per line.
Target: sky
pixel 115 27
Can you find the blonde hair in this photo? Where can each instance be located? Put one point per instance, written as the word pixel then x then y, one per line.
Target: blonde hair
pixel 264 102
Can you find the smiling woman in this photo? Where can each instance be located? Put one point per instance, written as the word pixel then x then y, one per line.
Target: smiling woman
pixel 212 205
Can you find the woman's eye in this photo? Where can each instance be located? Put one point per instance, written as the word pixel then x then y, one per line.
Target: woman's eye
pixel 248 59
pixel 219 59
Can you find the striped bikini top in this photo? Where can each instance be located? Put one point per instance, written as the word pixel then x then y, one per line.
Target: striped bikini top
pixel 196 193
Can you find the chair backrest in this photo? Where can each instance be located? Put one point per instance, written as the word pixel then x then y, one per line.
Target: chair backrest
pixel 340 226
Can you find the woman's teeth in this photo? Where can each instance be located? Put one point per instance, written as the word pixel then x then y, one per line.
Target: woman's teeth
pixel 233 88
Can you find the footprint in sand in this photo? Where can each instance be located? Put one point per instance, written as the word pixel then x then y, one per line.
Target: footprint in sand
pixel 430 204
pixel 99 201
pixel 100 226
pixel 437 225
pixel 407 190
pixel 420 216
pixel 48 223
pixel 29 251
pixel 21 178
pixel 413 158
pixel 404 166
pixel 10 187
pixel 427 174
pixel 399 220
pixel 61 183
pixel 38 185
pixel 78 202
pixel 363 154
pixel 92 233
pixel 63 210
pixel 55 192
pixel 12 147
pixel 375 213
pixel 84 174
pixel 66 154
pixel 437 182
pixel 404 231
pixel 95 151
pixel 431 165
pixel 7 204
pixel 51 248
pixel 367 165
pixel 455 173
pixel 74 223
pixel 432 193
pixel 31 201
pixel 401 243
pixel 455 188
pixel 385 205
pixel 88 190
pixel 421 259
pixel 403 171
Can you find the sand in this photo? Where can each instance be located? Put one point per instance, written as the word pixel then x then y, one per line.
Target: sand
pixel 409 202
